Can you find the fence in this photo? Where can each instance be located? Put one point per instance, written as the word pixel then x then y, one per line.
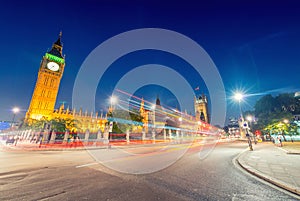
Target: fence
pixel 71 139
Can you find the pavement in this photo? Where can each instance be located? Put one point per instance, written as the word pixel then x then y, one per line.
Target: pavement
pixel 273 164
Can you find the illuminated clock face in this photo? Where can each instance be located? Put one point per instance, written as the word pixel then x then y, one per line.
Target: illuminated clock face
pixel 52 66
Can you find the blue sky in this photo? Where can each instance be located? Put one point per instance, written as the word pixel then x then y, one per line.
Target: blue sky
pixel 254 44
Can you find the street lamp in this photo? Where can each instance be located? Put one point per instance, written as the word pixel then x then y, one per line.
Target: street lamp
pixel 15 110
pixel 199 126
pixel 153 107
pixel 239 97
pixel 249 118
pixel 113 101
pixel 180 119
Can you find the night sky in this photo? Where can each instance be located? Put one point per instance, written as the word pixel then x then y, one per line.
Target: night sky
pixel 255 45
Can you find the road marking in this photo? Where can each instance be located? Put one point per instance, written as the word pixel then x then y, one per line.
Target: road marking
pixel 255 157
pixel 85 165
pixel 282 149
pixel 136 156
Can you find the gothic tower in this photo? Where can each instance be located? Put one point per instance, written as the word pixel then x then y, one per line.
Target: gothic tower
pixel 201 108
pixel 145 114
pixel 47 84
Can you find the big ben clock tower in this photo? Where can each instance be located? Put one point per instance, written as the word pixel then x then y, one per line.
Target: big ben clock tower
pixel 47 85
pixel 201 108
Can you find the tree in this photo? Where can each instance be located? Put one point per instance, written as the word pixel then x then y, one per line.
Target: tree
pixel 56 124
pixel 34 124
pixel 266 104
pixel 269 110
pixel 287 102
pixel 124 120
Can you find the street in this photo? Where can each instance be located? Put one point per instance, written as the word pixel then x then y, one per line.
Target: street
pixel 202 173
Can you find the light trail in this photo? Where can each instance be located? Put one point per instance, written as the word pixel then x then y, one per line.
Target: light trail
pixel 187 123
pixel 195 146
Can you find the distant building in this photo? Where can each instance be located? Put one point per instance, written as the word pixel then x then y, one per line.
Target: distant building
pixel 201 108
pixel 297 116
pixel 233 126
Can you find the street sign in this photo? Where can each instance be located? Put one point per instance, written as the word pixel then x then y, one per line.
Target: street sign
pixel 245 124
pixel 4 125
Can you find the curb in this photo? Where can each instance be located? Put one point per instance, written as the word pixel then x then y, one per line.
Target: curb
pixel 267 178
pixel 288 152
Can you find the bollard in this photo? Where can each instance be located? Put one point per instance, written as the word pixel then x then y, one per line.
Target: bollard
pixel 153 136
pixel 99 135
pixel 66 136
pixel 86 136
pixel 53 136
pixel 127 136
pixel 106 136
pixel 143 135
pixel 45 136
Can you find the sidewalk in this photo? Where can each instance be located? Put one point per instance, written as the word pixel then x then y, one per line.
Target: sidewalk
pixel 274 165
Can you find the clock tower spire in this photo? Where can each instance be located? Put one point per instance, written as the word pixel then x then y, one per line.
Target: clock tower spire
pixel 47 84
pixel 57 47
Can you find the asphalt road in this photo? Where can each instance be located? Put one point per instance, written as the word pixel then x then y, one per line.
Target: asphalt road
pixel 202 173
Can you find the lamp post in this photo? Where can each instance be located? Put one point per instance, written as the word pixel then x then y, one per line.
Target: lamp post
pixel 180 124
pixel 113 101
pixel 199 126
pixel 15 110
pixel 153 107
pixel 239 97
pixel 180 120
pixel 250 119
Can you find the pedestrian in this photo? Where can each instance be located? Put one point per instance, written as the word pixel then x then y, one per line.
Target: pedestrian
pixel 76 141
pixel 71 140
pixel 279 140
pixel 41 141
pixel 16 139
pixel 273 140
